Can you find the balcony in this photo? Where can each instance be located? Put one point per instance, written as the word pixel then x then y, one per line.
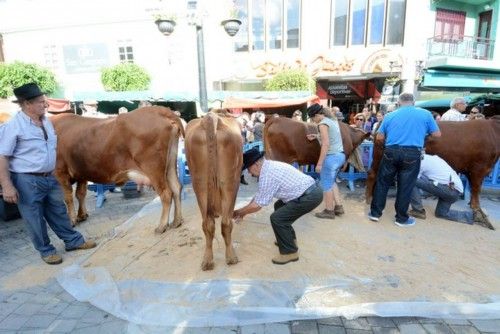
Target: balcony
pixel 467 47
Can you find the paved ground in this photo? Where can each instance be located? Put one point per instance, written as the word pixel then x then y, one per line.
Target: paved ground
pixel 42 306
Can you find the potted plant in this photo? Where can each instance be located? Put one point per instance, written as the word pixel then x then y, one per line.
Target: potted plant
pixel 232 25
pixel 165 23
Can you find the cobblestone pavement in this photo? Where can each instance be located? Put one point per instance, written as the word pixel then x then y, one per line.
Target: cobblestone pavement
pixel 40 305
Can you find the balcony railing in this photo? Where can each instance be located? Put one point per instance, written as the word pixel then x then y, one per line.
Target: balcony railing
pixel 461 46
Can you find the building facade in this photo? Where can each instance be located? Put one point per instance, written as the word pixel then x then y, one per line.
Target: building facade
pixel 357 50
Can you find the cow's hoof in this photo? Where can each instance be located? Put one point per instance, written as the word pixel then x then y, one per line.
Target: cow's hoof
pixel 481 219
pixel 232 260
pixel 177 223
pixel 160 230
pixel 82 218
pixel 207 265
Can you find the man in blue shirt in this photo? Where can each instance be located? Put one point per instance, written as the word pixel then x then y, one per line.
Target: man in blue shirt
pixel 404 132
pixel 27 163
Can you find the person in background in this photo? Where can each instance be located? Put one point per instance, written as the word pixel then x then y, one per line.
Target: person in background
pixel 438 178
pixel 331 158
pixel 297 115
pixel 27 163
pixel 370 119
pixel 89 108
pixel 436 116
pixel 475 114
pixel 297 194
pixel 338 114
pixel 359 121
pixel 380 118
pixel 403 132
pixel 258 127
pixel 456 111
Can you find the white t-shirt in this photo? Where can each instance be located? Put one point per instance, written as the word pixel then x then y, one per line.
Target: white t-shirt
pixel 436 169
pixel 453 115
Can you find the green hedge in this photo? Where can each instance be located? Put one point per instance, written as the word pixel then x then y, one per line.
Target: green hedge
pixel 125 77
pixel 18 73
pixel 290 80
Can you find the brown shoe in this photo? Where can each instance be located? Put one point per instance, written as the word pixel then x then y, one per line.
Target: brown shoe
pixel 285 258
pixel 86 245
pixel 325 214
pixel 52 259
pixel 339 210
pixel 417 213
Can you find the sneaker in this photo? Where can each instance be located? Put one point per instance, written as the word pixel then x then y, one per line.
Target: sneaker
pixel 285 258
pixel 86 245
pixel 372 217
pixel 52 259
pixel 325 214
pixel 339 210
pixel 409 222
pixel 417 213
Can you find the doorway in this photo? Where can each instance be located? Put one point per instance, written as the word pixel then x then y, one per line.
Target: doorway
pixel 483 47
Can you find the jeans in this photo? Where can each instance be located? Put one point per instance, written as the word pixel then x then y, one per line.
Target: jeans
pixel 41 203
pixel 330 168
pixel 446 197
pixel 285 214
pixel 402 162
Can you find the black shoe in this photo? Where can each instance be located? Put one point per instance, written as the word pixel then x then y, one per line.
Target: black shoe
pixel 242 180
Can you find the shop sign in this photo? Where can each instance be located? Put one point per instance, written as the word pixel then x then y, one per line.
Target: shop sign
pixel 339 90
pixel 85 58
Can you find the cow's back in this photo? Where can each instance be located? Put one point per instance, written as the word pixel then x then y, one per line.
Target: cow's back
pixel 99 150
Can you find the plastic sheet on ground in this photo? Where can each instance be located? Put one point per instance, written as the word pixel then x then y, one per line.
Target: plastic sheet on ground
pixel 418 275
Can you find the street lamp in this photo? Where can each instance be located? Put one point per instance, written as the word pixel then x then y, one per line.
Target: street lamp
pixel 231 27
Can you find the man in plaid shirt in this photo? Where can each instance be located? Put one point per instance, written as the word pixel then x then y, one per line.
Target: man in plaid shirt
pixel 297 195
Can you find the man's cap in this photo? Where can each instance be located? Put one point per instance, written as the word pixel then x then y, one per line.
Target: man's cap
pixel 27 92
pixel 250 157
pixel 314 109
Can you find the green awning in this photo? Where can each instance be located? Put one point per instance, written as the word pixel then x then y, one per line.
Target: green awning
pixel 455 80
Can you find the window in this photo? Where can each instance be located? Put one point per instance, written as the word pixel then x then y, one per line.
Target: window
pixel 126 54
pixel 340 11
pixel 449 24
pixel 51 57
pixel 293 24
pixel 358 22
pixel 396 21
pixel 377 21
pixel 371 22
pixel 241 38
pixel 268 25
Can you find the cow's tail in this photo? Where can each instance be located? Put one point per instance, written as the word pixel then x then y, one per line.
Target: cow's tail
pixel 210 124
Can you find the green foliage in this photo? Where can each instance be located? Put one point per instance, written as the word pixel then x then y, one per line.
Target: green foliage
pixel 18 73
pixel 290 80
pixel 125 77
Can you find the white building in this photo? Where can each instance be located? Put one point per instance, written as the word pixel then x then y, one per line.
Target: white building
pixel 349 46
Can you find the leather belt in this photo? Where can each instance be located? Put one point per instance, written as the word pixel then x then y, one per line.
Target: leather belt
pixel 45 174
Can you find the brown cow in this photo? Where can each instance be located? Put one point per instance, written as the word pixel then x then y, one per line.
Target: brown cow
pixel 140 146
pixel 285 140
pixel 214 156
pixel 470 147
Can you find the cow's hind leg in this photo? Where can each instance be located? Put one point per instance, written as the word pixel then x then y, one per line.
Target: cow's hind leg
pixel 68 198
pixel 479 216
pixel 175 187
pixel 226 229
pixel 166 200
pixel 81 192
pixel 209 230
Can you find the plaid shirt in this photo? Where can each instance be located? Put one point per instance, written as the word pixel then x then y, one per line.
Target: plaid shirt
pixel 282 181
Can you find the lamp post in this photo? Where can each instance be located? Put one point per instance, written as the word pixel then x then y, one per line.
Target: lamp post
pixel 231 27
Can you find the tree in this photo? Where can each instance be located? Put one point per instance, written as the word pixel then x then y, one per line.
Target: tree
pixel 18 73
pixel 124 77
pixel 290 80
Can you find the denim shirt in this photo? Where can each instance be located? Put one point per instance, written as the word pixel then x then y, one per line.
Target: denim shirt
pixel 23 142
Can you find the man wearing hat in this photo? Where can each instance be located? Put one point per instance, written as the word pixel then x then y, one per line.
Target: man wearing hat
pixel 297 195
pixel 27 163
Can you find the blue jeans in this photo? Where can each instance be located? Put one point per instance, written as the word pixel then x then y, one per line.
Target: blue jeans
pixel 329 170
pixel 41 203
pixel 402 162
pixel 446 197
